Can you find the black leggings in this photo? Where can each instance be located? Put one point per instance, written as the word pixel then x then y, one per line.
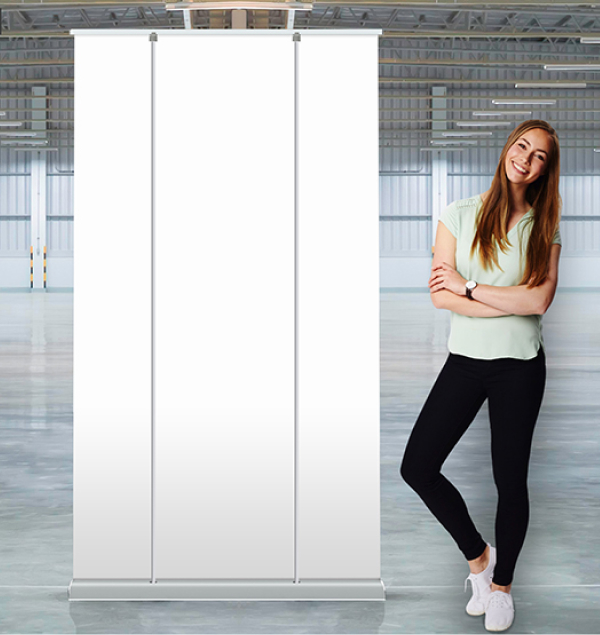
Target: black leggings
pixel 515 388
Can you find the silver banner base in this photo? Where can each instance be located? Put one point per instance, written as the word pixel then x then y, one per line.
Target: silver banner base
pixel 237 590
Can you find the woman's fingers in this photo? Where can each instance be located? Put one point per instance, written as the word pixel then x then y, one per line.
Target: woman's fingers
pixel 437 281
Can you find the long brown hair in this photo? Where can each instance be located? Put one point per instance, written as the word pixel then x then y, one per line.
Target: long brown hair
pixel 542 195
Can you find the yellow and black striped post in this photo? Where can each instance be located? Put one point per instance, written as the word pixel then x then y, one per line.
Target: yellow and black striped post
pixel 45 266
pixel 31 266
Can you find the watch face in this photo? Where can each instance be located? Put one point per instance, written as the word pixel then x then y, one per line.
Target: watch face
pixel 471 285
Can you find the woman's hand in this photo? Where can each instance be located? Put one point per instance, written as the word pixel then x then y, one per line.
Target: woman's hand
pixel 443 276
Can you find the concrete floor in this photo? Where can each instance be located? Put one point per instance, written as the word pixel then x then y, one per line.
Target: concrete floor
pixel 557 582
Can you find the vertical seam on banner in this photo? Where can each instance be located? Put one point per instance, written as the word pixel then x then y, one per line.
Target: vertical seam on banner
pixel 31 267
pixel 296 40
pixel 45 266
pixel 153 39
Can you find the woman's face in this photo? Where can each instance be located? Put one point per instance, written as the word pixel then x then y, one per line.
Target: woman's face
pixel 526 159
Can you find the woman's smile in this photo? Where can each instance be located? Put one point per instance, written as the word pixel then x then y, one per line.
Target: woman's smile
pixel 520 169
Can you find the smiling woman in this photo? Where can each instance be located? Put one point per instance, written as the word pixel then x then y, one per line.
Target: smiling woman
pixel 495 268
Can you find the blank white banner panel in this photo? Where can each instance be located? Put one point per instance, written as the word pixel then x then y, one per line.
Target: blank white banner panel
pixel 226 371
pixel 112 308
pixel 224 307
pixel 338 321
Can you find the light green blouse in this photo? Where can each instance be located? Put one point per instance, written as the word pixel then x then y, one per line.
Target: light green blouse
pixel 518 336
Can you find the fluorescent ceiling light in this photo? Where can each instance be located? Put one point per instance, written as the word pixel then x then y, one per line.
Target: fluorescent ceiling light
pixel 239 4
pixel 21 133
pixel 572 67
pixel 589 40
pixel 500 113
pixel 596 149
pixel 467 134
pixel 2 114
pixel 28 149
pixel 443 149
pixel 10 124
pixel 447 143
pixel 482 124
pixel 523 101
pixel 556 84
pixel 36 142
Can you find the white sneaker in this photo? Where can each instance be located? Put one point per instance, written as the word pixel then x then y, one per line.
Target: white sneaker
pixel 481 585
pixel 499 611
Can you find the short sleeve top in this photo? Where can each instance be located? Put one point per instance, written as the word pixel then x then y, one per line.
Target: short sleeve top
pixel 516 336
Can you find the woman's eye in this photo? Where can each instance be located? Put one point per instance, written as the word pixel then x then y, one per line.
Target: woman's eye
pixel 521 145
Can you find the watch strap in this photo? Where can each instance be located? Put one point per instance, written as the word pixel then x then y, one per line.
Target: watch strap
pixel 469 289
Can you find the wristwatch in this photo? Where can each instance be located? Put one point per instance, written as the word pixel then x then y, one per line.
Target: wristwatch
pixel 471 284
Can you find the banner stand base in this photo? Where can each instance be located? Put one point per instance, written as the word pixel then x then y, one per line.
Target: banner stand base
pixel 236 590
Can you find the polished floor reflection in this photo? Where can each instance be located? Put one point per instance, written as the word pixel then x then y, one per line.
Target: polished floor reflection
pixel 557 583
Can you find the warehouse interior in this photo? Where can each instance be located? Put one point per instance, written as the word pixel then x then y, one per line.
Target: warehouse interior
pixel 454 80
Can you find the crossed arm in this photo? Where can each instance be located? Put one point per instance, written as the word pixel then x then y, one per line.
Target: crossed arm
pixel 447 286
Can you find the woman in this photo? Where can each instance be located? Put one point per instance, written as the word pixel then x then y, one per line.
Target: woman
pixel 495 268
